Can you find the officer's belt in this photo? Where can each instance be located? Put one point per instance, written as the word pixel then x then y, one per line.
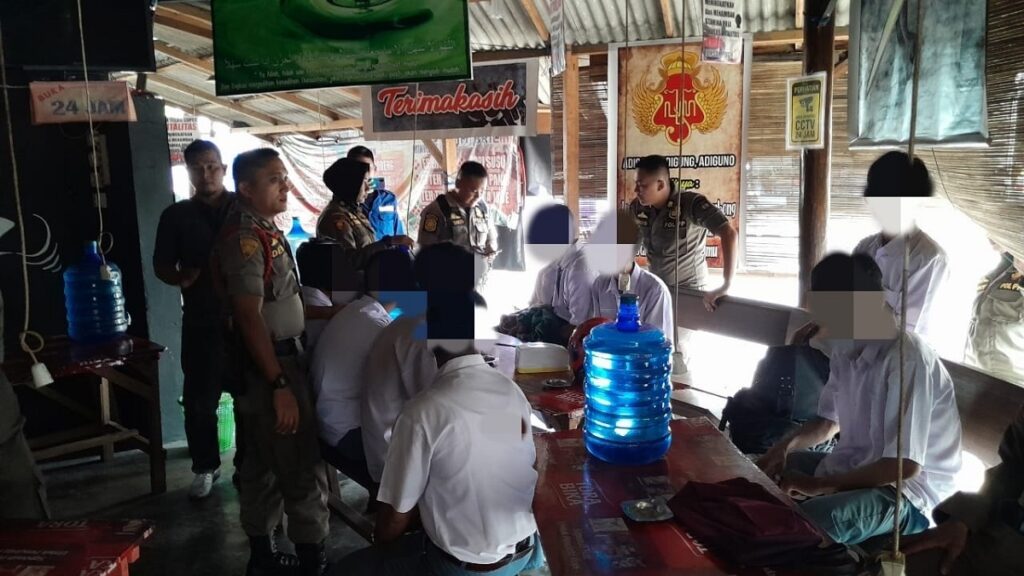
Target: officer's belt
pixel 289 347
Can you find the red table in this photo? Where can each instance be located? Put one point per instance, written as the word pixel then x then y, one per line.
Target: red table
pixel 562 408
pixel 578 504
pixel 71 548
pixel 129 363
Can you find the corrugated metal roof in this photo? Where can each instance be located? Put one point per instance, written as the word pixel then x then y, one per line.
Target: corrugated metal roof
pixel 502 25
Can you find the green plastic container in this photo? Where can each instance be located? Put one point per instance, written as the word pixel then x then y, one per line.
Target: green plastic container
pixel 225 422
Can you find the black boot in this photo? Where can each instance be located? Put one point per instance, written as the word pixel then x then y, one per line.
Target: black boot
pixel 312 559
pixel 265 560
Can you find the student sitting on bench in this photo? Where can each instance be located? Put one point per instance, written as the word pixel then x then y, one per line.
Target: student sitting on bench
pixel 851 491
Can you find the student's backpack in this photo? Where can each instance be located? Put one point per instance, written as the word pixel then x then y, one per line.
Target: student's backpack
pixel 784 395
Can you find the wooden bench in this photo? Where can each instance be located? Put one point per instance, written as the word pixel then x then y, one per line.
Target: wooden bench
pixel 987 404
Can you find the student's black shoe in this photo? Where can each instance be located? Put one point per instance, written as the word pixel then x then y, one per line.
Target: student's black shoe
pixel 312 559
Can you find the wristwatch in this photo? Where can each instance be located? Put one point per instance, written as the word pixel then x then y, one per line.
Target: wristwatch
pixel 280 383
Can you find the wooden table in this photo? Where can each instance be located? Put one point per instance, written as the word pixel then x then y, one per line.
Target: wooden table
pixel 71 548
pixel 562 408
pixel 578 504
pixel 129 363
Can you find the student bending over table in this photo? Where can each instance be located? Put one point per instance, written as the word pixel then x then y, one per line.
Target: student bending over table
pixel 851 490
pixel 461 459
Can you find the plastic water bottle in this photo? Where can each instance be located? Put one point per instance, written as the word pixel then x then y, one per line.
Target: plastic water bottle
pixel 94 299
pixel 628 389
pixel 296 236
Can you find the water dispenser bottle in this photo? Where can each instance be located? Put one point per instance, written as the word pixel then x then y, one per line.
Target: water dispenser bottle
pixel 628 389
pixel 94 299
pixel 296 236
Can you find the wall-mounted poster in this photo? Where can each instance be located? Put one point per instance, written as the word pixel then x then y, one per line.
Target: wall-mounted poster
pixel 500 100
pixel 805 114
pixel 180 133
pixel 700 130
pixel 277 45
pixel 951 107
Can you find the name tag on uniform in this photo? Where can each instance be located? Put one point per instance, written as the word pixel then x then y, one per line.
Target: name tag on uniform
pixel 670 223
pixel 388 208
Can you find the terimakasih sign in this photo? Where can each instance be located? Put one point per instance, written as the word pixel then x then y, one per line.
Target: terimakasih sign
pixel 500 100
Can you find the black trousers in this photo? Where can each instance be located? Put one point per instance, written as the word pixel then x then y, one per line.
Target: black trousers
pixel 202 362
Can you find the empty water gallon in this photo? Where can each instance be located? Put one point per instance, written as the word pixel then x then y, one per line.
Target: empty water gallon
pixel 628 367
pixel 296 236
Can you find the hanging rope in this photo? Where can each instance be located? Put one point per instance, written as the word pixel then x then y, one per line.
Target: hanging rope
pixel 903 291
pixel 679 173
pixel 92 142
pixel 25 333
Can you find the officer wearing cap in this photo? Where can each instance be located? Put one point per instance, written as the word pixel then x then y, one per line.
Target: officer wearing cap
pixel 460 216
pixel 282 468
pixel 673 227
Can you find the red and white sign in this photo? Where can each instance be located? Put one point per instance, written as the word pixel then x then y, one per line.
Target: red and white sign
pixel 66 102
pixel 180 133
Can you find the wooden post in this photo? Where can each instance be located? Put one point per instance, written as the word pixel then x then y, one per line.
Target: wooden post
pixel 451 157
pixel 816 165
pixel 571 135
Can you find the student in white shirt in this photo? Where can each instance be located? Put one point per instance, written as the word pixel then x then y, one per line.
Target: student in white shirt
pixel 851 491
pixel 652 294
pixel 461 460
pixel 399 366
pixel 894 192
pixel 565 283
pixel 337 366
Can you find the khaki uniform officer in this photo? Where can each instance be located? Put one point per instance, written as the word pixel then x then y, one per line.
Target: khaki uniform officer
pixel 343 219
pixel 673 227
pixel 282 471
pixel 996 342
pixel 461 217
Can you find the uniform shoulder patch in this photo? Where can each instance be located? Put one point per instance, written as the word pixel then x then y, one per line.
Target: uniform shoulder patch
pixel 249 246
pixel 340 223
pixel 430 223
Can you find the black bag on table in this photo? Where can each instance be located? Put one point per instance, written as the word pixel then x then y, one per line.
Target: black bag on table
pixel 784 395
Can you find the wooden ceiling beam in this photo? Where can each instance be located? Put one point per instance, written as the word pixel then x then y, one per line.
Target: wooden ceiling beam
pixel 185 88
pixel 174 19
pixel 538 22
pixel 667 18
pixel 343 124
pixel 206 66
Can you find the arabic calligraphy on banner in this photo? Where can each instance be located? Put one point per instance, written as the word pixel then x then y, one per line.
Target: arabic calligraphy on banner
pixel 673 104
pixel 270 45
pixel 306 160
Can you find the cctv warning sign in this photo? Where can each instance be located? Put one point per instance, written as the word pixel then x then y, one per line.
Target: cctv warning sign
pixel 805 115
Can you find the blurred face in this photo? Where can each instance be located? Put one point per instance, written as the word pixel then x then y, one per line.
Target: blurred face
pixel 861 315
pixel 896 215
pixel 267 191
pixel 468 190
pixel 651 189
pixel 206 173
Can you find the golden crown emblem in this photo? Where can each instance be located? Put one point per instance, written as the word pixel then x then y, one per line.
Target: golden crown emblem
pixel 660 108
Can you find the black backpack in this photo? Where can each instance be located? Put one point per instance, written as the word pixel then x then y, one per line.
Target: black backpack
pixel 784 395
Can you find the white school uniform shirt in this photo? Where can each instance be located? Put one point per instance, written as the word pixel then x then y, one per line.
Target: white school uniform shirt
pixel 862 396
pixel 565 286
pixel 926 273
pixel 653 295
pixel 316 297
pixel 336 368
pixel 399 367
pixel 463 452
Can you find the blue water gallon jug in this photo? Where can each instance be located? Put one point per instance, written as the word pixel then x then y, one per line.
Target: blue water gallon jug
pixel 296 236
pixel 94 299
pixel 628 368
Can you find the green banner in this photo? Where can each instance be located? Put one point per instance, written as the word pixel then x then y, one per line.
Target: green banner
pixel 281 45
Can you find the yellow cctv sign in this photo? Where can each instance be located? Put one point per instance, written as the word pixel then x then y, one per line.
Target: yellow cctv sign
pixel 805 113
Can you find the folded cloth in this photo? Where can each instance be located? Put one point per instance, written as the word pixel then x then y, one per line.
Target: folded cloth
pixel 742 523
